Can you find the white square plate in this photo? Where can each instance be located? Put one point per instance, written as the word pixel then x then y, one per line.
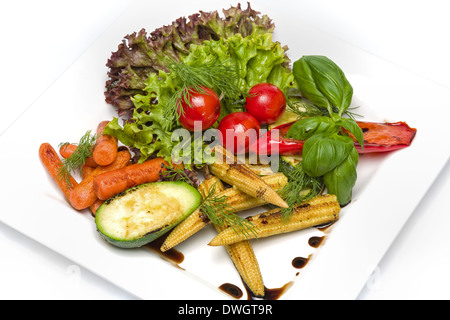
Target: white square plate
pixel 388 189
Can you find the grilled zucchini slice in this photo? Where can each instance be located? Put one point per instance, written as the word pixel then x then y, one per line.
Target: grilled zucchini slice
pixel 143 213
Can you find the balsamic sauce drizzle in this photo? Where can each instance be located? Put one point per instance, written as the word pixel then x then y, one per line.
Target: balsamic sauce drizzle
pixel 176 257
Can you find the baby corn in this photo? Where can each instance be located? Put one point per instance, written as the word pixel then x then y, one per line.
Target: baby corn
pixel 243 178
pixel 244 260
pixel 241 253
pixel 195 221
pixel 320 210
pixel 236 200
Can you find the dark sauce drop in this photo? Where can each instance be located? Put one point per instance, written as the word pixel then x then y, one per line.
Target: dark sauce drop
pixel 269 294
pixel 300 262
pixel 276 293
pixel 315 241
pixel 232 290
pixel 172 255
pixel 324 227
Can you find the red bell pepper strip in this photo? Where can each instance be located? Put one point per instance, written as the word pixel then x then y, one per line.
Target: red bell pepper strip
pixel 378 137
pixel 383 137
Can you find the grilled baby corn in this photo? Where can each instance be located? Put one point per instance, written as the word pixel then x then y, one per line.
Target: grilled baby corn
pixel 243 178
pixel 320 210
pixel 236 200
pixel 241 253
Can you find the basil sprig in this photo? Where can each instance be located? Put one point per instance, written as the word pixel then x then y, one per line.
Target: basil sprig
pixel 327 151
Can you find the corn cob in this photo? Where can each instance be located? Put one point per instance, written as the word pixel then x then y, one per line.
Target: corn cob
pixel 206 186
pixel 236 200
pixel 244 260
pixel 241 253
pixel 243 178
pixel 321 209
pixel 195 221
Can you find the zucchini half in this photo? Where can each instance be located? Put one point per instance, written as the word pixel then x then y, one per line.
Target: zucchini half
pixel 143 213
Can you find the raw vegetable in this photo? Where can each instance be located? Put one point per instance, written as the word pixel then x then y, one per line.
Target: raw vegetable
pixel 203 107
pixel 323 83
pixel 266 102
pixel 143 213
pixel 110 183
pixel 268 144
pixel 256 57
pixel 239 130
pixel 142 54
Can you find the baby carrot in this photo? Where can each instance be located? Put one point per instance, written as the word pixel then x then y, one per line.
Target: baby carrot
pixel 95 206
pixel 53 164
pixel 111 183
pixel 66 150
pixel 105 149
pixel 86 171
pixel 83 196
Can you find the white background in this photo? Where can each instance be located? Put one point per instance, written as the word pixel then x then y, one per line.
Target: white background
pixel 41 39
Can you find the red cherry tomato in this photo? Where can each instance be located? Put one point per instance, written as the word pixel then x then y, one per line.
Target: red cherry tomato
pixel 204 106
pixel 266 103
pixel 238 130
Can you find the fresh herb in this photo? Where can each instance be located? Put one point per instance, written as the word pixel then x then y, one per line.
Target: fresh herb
pixel 300 188
pixel 323 152
pixel 220 213
pixel 172 173
pixel 306 109
pixel 327 152
pixel 254 55
pixel 193 78
pixel 323 83
pixel 340 180
pixel 78 158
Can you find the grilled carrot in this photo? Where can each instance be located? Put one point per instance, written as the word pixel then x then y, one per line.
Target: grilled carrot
pixel 66 150
pixel 86 171
pixel 53 164
pixel 319 210
pixel 105 149
pixel 95 206
pixel 111 183
pixel 83 196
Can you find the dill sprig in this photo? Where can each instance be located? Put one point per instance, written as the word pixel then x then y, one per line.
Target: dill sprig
pixel 300 188
pixel 78 158
pixel 221 78
pixel 219 212
pixel 172 173
pixel 304 109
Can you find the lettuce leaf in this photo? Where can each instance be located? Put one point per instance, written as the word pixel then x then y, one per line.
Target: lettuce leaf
pixel 140 53
pixel 258 59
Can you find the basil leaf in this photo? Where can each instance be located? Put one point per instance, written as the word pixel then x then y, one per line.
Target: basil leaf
pixel 304 128
pixel 341 180
pixel 351 126
pixel 323 152
pixel 323 83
